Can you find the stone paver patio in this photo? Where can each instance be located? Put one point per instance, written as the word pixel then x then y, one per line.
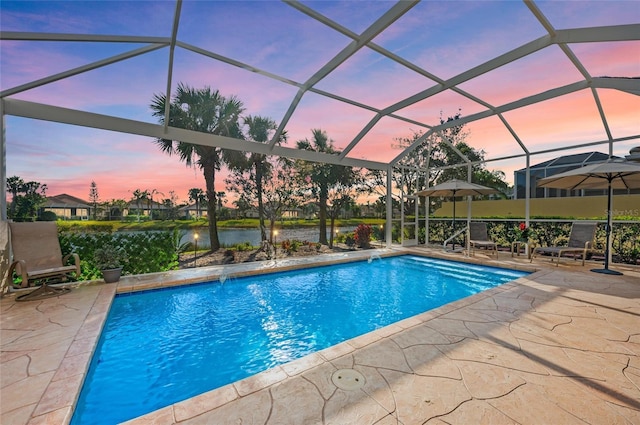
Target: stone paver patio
pixel 560 346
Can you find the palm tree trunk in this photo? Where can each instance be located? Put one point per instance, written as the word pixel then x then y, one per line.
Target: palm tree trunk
pixel 263 229
pixel 333 221
pixel 322 216
pixel 209 171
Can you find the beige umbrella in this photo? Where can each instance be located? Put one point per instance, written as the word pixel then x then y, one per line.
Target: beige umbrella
pixel 604 175
pixel 455 188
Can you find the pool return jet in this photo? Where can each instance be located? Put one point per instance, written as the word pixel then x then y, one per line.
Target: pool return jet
pixel 455 188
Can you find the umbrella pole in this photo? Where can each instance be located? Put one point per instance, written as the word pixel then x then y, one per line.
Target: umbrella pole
pixel 453 224
pixel 606 269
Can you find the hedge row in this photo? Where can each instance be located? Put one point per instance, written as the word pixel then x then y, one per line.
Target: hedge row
pixel 147 252
pixel 625 236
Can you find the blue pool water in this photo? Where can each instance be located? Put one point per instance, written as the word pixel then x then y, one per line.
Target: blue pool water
pixel 159 347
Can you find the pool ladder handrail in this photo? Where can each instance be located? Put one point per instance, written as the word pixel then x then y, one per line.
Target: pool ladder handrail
pixel 455 235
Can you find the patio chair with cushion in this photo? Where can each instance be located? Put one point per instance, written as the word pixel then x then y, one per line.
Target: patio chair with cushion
pixel 37 257
pixel 479 238
pixel 580 242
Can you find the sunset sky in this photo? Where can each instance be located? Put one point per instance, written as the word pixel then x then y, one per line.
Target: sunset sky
pixel 443 38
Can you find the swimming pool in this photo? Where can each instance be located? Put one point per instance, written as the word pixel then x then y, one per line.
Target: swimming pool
pixel 159 347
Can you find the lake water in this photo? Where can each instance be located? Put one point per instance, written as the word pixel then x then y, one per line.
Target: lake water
pixel 230 237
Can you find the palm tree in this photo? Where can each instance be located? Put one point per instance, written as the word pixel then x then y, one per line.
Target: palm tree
pixel 321 177
pixel 152 192
pixel 139 195
pixel 195 196
pixel 117 205
pixel 206 111
pixel 259 130
pixel 15 186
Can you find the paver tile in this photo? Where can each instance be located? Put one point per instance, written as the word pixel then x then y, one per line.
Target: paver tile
pixel 351 407
pixel 202 403
pixel 384 353
pixel 251 409
pixel 485 381
pixel 474 412
pixel 428 360
pixel 419 398
pixel 308 407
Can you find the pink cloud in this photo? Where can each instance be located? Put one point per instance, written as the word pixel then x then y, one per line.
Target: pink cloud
pixel 618 59
pixel 571 119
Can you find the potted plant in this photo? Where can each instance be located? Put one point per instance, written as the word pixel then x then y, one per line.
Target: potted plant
pixel 110 259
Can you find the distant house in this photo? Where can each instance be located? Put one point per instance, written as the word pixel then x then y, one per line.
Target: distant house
pixel 556 166
pixel 67 207
pixel 145 208
pixel 190 211
pixel 292 213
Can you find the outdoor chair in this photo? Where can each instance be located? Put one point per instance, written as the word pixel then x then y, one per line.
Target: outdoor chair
pixel 479 238
pixel 580 242
pixel 37 257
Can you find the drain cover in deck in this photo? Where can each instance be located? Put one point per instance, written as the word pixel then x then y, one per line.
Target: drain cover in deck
pixel 348 379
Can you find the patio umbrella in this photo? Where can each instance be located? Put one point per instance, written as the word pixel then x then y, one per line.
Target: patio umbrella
pixel 604 175
pixel 455 188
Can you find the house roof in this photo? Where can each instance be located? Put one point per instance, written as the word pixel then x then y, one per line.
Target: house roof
pixel 570 160
pixel 65 201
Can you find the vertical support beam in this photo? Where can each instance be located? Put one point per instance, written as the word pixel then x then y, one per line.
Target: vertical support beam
pixel 469 179
pixel 388 228
pixel 416 222
pixel 527 197
pixel 427 199
pixel 402 198
pixel 3 165
pixel 527 186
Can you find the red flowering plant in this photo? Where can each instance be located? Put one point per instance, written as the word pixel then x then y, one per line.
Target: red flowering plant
pixel 363 235
pixel 522 232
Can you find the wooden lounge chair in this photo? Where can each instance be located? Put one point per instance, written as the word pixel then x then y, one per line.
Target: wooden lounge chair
pixel 37 257
pixel 580 242
pixel 479 238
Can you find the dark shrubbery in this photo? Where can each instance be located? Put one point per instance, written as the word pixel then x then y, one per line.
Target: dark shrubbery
pixel 625 241
pixel 47 216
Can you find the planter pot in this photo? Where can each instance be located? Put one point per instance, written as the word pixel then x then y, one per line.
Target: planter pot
pixel 111 275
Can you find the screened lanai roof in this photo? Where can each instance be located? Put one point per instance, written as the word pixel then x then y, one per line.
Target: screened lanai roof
pixel 526 77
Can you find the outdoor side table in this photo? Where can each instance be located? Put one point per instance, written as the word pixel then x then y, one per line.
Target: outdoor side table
pixel 517 245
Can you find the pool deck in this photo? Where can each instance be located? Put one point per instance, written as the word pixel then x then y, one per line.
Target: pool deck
pixel 560 346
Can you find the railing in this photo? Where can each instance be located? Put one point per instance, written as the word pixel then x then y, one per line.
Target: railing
pixel 455 235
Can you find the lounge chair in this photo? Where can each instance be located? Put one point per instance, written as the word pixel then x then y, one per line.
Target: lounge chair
pixel 479 238
pixel 580 242
pixel 37 257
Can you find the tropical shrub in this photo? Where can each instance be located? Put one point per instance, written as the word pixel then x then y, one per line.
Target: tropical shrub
pixel 350 240
pixel 47 216
pixel 286 245
pixel 290 245
pixel 363 235
pixel 243 246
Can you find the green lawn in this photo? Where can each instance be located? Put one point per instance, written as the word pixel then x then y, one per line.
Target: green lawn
pixel 247 223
